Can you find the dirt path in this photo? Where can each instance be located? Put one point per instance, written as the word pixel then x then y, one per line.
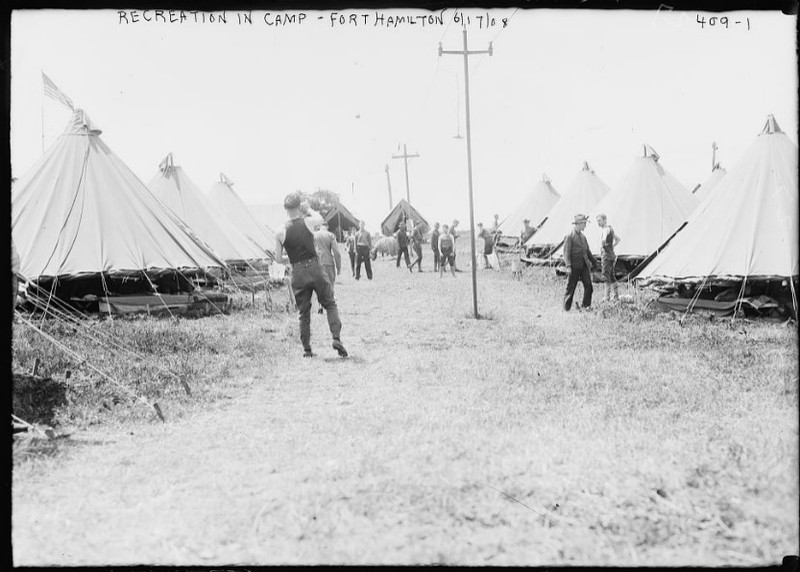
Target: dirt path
pixel 385 457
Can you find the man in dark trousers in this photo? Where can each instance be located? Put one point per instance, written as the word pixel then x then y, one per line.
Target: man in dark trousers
pixel 435 246
pixel 416 246
pixel 363 248
pixel 308 276
pixel 402 244
pixel 578 260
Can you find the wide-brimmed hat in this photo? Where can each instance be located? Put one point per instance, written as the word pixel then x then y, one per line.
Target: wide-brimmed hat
pixel 579 218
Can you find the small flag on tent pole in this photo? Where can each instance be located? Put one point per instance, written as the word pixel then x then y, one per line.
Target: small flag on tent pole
pixel 50 90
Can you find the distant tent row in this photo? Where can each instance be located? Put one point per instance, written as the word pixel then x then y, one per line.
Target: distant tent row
pixel 173 187
pixel 86 226
pixel 742 240
pixel 645 209
pixel 82 216
pixel 581 196
pixel 534 207
pixel 225 200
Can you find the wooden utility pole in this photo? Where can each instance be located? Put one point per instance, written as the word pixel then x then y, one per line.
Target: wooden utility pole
pixel 389 184
pixel 713 155
pixel 405 157
pixel 466 53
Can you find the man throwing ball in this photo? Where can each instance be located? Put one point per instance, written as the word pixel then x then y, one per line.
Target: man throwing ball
pixel 297 239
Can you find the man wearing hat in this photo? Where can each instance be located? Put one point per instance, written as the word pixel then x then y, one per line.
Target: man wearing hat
pixel 578 260
pixel 527 231
pixel 307 273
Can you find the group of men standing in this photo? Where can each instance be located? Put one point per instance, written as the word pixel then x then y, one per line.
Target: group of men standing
pixel 315 260
pixel 579 260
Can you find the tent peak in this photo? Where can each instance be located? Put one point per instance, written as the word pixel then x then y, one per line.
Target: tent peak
pixel 653 154
pixel 80 123
pixel 771 126
pixel 224 179
pixel 586 167
pixel 166 164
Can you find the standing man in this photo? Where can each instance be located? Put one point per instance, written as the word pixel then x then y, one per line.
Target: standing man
pixel 416 246
pixel 435 246
pixel 350 245
pixel 454 234
pixel 446 251
pixel 488 244
pixel 608 258
pixel 527 232
pixel 328 254
pixel 402 244
pixel 307 273
pixel 363 246
pixel 578 260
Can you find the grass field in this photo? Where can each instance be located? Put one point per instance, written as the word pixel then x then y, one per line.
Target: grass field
pixel 621 436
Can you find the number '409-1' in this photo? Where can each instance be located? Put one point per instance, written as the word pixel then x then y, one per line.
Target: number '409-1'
pixel 719 20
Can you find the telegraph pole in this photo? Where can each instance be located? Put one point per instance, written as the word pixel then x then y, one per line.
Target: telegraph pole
pixel 713 155
pixel 466 53
pixel 405 157
pixel 389 184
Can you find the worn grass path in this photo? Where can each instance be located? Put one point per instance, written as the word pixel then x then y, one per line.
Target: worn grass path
pixel 528 438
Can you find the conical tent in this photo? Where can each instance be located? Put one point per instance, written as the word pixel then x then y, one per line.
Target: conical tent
pixel 80 209
pixel 273 216
pixel 403 211
pixel 172 186
pixel 535 207
pixel 647 207
pixel 584 192
pixel 703 190
pixel 747 228
pixel 340 217
pixel 225 200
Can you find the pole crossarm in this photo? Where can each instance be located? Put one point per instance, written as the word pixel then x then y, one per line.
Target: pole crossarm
pixel 466 53
pixel 405 157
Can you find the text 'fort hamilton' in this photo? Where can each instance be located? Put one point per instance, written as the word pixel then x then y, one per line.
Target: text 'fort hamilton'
pixel 406 18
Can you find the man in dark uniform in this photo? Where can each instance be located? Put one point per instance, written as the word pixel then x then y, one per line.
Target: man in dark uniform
pixel 435 246
pixel 308 276
pixel 578 260
pixel 402 244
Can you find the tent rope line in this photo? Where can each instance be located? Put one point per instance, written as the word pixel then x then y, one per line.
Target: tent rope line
pixel 75 355
pixel 102 340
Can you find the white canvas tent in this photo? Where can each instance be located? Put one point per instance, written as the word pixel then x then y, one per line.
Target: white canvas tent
pixel 273 216
pixel 534 207
pixel 80 210
pixel 172 186
pixel 747 228
pixel 703 190
pixel 645 209
pixel 225 200
pixel 584 192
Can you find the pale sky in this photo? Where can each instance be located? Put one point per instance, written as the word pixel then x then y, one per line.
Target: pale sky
pixel 309 105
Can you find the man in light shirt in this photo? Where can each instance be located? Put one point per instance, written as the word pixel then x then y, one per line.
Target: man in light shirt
pixel 608 258
pixel 328 254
